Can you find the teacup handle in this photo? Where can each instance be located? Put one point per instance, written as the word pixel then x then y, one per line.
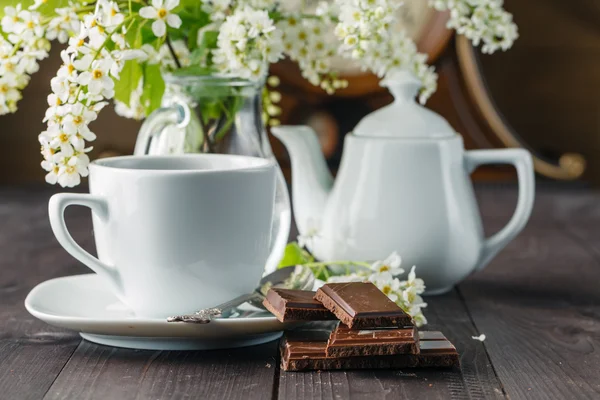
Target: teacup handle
pixel 521 160
pixel 56 210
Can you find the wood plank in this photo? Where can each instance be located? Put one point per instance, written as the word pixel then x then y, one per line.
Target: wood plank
pixel 100 372
pixel 32 353
pixel 447 313
pixel 538 302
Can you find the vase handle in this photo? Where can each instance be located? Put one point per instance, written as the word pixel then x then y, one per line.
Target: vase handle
pixel 177 114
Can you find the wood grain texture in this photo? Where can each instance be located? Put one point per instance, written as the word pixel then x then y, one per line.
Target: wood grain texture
pixel 447 313
pixel 101 372
pixel 538 302
pixel 32 353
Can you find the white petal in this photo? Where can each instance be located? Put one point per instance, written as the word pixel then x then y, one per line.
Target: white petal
pixel 157 4
pixel 84 78
pixel 69 128
pixel 171 4
pixel 95 86
pixel 149 13
pixel 51 178
pixel 174 21
pixel 159 28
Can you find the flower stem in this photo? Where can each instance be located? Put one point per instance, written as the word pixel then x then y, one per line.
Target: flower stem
pixel 344 263
pixel 172 51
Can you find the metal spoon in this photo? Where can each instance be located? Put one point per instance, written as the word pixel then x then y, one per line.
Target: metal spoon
pixel 297 277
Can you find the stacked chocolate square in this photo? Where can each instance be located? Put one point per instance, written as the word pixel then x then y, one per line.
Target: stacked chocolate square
pixel 373 331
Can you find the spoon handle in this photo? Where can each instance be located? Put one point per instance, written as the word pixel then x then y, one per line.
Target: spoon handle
pixel 206 315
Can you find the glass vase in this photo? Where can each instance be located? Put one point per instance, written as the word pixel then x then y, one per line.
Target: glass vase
pixel 209 114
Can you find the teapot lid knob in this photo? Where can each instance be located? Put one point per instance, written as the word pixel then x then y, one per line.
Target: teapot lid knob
pixel 402 84
pixel 404 118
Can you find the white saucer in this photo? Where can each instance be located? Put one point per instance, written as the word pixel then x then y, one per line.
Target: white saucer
pixel 85 304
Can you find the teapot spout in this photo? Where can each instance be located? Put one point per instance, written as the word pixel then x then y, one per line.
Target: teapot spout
pixel 311 178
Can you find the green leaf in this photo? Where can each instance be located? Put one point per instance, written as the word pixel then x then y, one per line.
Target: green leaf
pixel 154 88
pixel 208 42
pixel 48 9
pixel 134 36
pixel 295 255
pixel 129 80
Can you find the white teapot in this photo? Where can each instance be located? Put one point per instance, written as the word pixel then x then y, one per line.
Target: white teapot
pixel 403 185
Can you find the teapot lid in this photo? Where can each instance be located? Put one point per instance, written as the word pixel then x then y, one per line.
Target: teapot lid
pixel 404 118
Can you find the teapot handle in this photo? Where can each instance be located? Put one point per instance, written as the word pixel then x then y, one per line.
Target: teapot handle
pixel 522 161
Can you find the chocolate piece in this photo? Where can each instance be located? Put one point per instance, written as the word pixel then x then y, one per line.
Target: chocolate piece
pixel 438 353
pixel 431 335
pixel 305 350
pixel 346 342
pixel 361 305
pixel 295 305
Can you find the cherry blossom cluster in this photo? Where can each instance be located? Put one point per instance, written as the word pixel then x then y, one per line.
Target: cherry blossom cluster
pixel 81 88
pixel 482 21
pixel 24 46
pixel 248 41
pixel 308 43
pixel 366 29
pixel 64 24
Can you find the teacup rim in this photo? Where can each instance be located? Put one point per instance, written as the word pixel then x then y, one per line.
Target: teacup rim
pixel 256 164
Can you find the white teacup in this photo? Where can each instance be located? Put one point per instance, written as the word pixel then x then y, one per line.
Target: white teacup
pixel 175 234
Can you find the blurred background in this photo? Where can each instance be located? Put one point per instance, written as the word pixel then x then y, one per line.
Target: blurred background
pixel 543 95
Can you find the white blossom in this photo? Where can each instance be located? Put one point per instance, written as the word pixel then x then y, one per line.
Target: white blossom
pixel 111 16
pixel 482 21
pixel 248 41
pixel 366 30
pixel 389 266
pixel 63 25
pixel 217 9
pixel 160 12
pixel 20 54
pixel 389 286
pixel 11 22
pixel 77 44
pixel 309 43
pixel 97 79
pixel 80 90
pixel 71 171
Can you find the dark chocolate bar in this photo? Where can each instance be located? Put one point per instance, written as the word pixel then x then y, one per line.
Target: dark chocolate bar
pixel 361 305
pixel 346 342
pixel 305 350
pixel 295 305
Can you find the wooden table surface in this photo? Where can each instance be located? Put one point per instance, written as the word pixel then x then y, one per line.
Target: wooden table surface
pixel 538 304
